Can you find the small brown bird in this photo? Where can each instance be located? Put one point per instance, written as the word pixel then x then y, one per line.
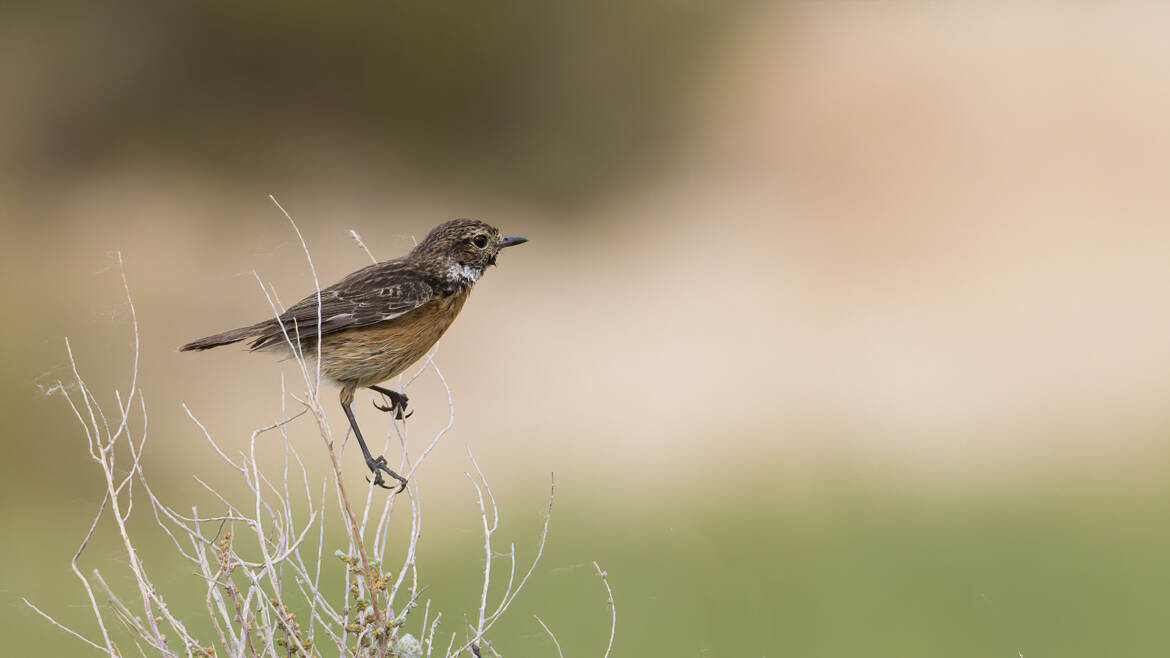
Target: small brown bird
pixel 379 320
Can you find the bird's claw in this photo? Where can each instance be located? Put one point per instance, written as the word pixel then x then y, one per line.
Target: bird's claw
pixel 397 403
pixel 377 467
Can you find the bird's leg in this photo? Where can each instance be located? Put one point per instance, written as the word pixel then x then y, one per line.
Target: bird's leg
pixel 376 466
pixel 397 402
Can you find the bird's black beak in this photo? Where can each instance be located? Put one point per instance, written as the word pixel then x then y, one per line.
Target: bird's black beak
pixel 512 240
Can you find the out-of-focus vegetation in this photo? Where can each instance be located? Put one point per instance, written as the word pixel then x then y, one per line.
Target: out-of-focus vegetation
pixel 550 102
pixel 871 569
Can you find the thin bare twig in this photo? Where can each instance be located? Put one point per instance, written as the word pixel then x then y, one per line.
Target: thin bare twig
pixel 65 628
pixel 612 609
pixel 358 239
pixel 551 636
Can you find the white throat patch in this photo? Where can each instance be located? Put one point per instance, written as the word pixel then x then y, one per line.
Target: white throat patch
pixel 465 273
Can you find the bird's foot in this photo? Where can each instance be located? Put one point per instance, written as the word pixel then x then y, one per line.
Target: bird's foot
pixel 377 467
pixel 397 403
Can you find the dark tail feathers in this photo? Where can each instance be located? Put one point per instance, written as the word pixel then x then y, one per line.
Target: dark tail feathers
pixel 225 338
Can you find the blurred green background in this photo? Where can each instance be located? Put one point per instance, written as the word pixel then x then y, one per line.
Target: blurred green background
pixel 843 326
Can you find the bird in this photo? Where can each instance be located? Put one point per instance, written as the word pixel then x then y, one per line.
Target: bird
pixel 374 323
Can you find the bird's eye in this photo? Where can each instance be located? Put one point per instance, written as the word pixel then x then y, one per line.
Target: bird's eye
pixel 479 241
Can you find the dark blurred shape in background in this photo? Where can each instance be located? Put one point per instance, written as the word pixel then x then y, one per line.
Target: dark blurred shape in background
pixel 552 102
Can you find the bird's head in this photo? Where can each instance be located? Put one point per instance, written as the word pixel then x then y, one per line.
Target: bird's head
pixel 461 249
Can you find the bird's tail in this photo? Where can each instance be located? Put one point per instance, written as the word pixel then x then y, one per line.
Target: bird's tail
pixel 227 337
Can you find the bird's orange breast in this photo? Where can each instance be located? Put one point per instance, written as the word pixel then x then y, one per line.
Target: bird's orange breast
pixel 364 356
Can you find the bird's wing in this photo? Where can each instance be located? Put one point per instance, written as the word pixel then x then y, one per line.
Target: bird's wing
pixel 376 293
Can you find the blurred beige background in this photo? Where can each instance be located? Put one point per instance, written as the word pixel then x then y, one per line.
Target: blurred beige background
pixel 772 246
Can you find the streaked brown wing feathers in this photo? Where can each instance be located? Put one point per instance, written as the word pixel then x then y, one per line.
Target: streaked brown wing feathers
pixel 373 294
